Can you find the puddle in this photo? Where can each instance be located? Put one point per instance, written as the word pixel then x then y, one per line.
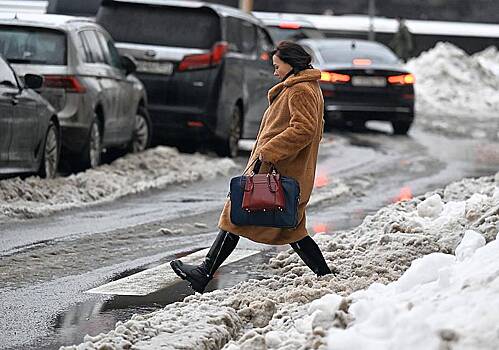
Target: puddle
pixel 100 314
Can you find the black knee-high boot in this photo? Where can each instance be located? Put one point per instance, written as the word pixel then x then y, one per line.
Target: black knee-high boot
pixel 310 253
pixel 199 276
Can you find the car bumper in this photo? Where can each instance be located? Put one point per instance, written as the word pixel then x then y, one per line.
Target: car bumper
pixel 181 124
pixel 351 108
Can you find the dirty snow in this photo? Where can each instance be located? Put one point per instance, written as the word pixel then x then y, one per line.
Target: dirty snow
pixel 134 173
pixel 456 93
pixel 397 284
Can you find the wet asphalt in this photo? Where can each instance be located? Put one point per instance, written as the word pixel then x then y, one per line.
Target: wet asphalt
pixel 47 264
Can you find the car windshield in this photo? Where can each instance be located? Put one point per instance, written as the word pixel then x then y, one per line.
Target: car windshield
pixel 32 45
pixel 346 54
pixel 161 25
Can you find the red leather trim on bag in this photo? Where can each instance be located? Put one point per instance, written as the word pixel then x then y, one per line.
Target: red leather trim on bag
pixel 263 192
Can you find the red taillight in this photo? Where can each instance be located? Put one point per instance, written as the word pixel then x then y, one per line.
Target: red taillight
pixel 289 25
pixel 403 79
pixel 69 83
pixel 331 77
pixel 204 60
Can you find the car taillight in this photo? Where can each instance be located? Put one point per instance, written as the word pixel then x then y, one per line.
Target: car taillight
pixel 289 25
pixel 331 77
pixel 403 79
pixel 69 83
pixel 204 60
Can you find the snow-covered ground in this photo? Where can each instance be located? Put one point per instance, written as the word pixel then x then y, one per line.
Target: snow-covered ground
pixel 155 168
pixel 404 279
pixel 456 93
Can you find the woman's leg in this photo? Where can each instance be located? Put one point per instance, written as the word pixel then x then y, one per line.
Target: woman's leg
pixel 310 253
pixel 200 275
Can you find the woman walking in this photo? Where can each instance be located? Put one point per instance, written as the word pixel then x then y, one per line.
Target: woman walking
pixel 289 137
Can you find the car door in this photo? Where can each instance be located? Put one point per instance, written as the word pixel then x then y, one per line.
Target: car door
pixel 109 89
pixel 7 89
pixel 263 80
pixel 24 122
pixel 251 71
pixel 126 99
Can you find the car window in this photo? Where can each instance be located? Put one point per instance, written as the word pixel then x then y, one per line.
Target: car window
pixel 233 35
pixel 248 37
pixel 347 53
pixel 33 45
pixel 311 53
pixel 264 42
pixel 161 25
pixel 94 53
pixel 73 7
pixel 7 77
pixel 111 54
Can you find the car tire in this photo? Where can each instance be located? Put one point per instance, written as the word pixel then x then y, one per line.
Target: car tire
pixel 51 152
pixel 229 147
pixel 401 128
pixel 142 131
pixel 92 152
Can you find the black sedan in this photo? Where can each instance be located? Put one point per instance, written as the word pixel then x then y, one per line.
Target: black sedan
pixel 29 129
pixel 362 80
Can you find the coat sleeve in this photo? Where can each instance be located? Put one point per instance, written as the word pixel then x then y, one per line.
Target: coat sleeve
pixel 299 133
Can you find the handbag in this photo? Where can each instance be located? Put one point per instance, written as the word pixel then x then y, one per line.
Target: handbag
pixel 272 210
pixel 263 192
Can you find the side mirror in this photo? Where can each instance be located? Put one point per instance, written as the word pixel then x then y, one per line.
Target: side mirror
pixel 128 63
pixel 33 81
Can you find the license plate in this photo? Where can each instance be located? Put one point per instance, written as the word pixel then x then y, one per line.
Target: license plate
pixel 165 68
pixel 369 81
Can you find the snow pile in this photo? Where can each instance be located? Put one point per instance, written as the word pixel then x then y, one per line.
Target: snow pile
pixel 293 309
pixel 441 302
pixel 134 173
pixel 457 93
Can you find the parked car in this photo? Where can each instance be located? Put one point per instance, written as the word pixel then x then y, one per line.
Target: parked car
pixel 29 129
pixel 284 26
pixel 363 80
pixel 99 103
pixel 206 68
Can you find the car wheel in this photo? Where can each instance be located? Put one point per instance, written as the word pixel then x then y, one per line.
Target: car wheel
pixel 142 134
pixel 401 128
pixel 50 158
pixel 93 150
pixel 229 147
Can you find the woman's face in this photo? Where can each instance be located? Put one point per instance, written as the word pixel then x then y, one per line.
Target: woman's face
pixel 281 68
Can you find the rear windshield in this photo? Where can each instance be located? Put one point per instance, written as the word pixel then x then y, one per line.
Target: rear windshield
pixel 32 45
pixel 161 25
pixel 346 54
pixel 74 7
pixel 279 34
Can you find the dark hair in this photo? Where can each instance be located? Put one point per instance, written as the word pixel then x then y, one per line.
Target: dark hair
pixel 294 55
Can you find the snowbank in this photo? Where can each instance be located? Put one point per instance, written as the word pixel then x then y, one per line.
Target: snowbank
pixel 457 93
pixel 441 299
pixel 133 173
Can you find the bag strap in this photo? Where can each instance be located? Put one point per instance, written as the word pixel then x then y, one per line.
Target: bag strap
pixel 257 165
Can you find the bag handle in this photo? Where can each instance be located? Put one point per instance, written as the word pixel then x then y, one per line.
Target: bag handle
pixel 257 164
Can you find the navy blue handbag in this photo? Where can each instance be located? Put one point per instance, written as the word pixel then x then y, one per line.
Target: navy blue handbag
pixel 285 218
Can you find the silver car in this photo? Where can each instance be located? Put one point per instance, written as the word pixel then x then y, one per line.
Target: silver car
pixel 99 103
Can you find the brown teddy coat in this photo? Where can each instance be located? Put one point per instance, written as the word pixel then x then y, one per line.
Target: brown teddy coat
pixel 289 137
